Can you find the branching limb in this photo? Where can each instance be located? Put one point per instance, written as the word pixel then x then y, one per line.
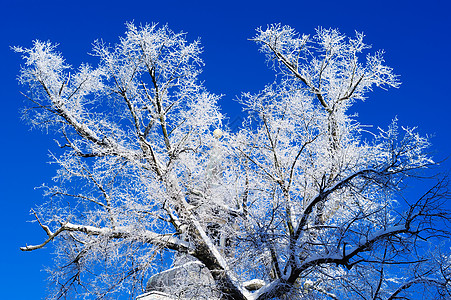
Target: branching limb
pixel 421 280
pixel 298 75
pixel 162 240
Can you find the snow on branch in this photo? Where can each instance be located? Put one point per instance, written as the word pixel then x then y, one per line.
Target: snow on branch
pixel 162 240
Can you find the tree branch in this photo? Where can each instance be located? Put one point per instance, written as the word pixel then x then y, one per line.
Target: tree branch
pixel 162 240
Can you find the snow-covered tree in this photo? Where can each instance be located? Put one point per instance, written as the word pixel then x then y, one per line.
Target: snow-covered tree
pixel 302 202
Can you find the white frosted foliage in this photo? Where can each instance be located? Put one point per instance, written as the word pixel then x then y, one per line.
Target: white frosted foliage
pixel 300 202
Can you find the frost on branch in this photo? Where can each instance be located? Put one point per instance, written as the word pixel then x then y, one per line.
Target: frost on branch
pixel 297 203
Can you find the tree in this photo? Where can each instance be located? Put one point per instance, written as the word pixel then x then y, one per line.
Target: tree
pixel 302 199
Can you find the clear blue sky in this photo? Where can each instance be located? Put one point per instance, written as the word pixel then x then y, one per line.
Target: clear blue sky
pixel 415 34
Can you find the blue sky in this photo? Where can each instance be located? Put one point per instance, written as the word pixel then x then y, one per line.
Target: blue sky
pixel 415 34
